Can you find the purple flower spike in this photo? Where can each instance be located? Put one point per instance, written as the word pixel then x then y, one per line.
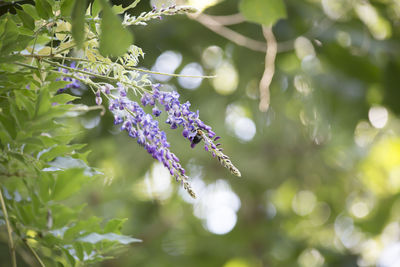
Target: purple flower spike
pixel 156 112
pixel 74 82
pixel 185 133
pixel 179 115
pixel 142 127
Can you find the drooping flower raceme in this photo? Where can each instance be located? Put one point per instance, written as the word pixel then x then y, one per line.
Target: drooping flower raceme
pixel 142 127
pixel 194 129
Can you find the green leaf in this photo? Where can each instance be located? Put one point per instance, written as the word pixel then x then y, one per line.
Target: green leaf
pixel 64 98
pixel 43 104
pixel 43 8
pixel 24 100
pixel 90 225
pixel 113 33
pixel 119 9
pixel 265 12
pixel 68 183
pixel 64 163
pixel 26 19
pixel 79 250
pixel 96 8
pixel 94 238
pixel 10 35
pixel 114 226
pixel 29 9
pixel 66 7
pixel 22 42
pixel 11 58
pixel 64 215
pixel 78 21
pixel 58 150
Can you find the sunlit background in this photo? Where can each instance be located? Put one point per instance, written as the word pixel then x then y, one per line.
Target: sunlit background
pixel 321 168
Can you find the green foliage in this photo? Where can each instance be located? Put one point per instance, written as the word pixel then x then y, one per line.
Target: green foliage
pixel 78 21
pixel 113 33
pixel 43 8
pixel 321 181
pixel 41 167
pixel 265 12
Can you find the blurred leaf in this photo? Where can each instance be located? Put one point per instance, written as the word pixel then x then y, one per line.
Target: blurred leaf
pixel 90 225
pixel 24 100
pixel 78 21
pixel 64 98
pixel 66 7
pixel 26 19
pixel 113 33
pixel 265 12
pixel 58 150
pixel 118 9
pixel 10 35
pixel 68 182
pixel 94 238
pixel 29 9
pixel 64 163
pixel 96 8
pixel 43 8
pixel 43 103
pixel 114 226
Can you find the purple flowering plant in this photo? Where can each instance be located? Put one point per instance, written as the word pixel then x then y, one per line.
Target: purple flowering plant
pixel 73 45
pixel 145 129
pixel 122 76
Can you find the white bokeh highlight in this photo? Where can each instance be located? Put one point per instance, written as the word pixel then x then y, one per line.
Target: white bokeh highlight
pixel 192 69
pixel 378 117
pixel 167 62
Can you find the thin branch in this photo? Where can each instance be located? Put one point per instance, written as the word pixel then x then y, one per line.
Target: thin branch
pixel 172 74
pixel 126 67
pixel 229 34
pixel 9 231
pixel 34 253
pixel 269 70
pixel 229 19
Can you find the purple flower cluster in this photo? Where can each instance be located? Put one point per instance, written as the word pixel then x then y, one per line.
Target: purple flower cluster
pixel 74 82
pixel 193 128
pixel 142 127
pixel 178 114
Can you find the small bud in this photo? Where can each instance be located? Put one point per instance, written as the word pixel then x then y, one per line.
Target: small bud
pixel 99 100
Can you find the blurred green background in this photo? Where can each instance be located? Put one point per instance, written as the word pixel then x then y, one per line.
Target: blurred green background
pixel 320 169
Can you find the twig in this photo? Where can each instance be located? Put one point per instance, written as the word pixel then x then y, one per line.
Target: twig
pixel 269 70
pixel 9 231
pixel 34 253
pixel 126 67
pixel 229 19
pixel 229 34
